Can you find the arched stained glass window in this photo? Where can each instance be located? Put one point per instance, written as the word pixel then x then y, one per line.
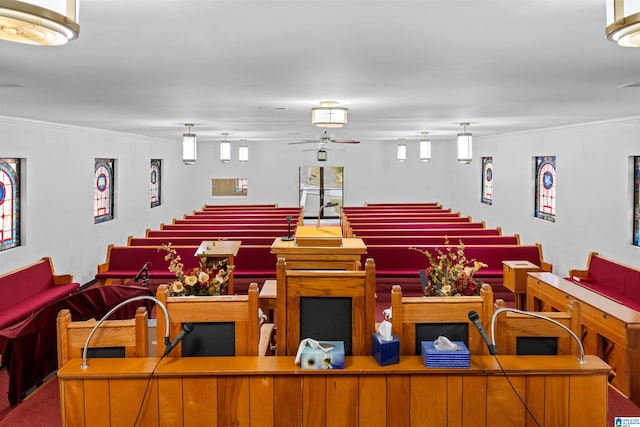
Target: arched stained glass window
pixel 9 203
pixel 103 191
pixel 487 180
pixel 155 181
pixel 636 200
pixel 546 188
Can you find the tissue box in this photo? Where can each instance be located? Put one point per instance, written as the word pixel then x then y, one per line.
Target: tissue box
pixel 385 352
pixel 312 358
pixel 434 358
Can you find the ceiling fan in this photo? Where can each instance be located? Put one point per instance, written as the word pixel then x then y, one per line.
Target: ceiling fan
pixel 325 139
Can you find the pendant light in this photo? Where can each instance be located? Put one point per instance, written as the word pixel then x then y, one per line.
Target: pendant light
pixel 464 143
pixel 243 151
pixel 225 149
pixel 425 147
pixel 623 22
pixel 329 115
pixel 31 23
pixel 402 151
pixel 189 146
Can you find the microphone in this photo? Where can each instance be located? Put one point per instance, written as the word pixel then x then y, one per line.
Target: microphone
pixel 187 328
pixel 144 269
pixel 539 316
pixel 159 303
pixel 288 238
pixel 326 205
pixel 473 316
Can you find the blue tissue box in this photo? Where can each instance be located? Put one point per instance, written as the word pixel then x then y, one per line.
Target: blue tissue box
pixel 385 352
pixel 434 358
pixel 312 358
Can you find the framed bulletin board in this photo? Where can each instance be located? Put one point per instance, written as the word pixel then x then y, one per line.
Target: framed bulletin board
pixel 229 187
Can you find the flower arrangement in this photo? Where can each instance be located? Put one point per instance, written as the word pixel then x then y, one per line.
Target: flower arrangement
pixel 208 278
pixel 450 273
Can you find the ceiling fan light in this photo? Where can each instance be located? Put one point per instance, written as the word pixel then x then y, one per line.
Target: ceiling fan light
pixel 29 23
pixel 623 22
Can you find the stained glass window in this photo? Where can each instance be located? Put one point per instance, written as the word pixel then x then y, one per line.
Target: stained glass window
pixel 636 200
pixel 546 188
pixel 487 180
pixel 103 192
pixel 155 181
pixel 9 203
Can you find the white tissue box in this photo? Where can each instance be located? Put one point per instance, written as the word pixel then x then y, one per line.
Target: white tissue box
pixel 434 358
pixel 315 358
pixel 385 352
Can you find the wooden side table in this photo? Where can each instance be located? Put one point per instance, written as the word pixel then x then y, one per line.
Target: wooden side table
pixel 514 275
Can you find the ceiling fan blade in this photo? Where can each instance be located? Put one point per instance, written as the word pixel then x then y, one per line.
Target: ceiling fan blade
pixel 303 142
pixel 347 141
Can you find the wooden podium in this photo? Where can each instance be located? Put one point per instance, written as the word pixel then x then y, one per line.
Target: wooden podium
pixel 320 248
pixel 216 250
pixel 274 391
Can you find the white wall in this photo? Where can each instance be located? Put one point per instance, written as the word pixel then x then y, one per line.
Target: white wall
pixel 57 208
pixel 593 208
pixel 594 190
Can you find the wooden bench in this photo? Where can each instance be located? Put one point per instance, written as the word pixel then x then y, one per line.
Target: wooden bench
pixel 280 228
pixel 236 234
pixel 195 240
pixel 612 279
pixel 400 261
pixel 124 262
pixel 610 330
pixel 452 233
pixel 440 240
pixel 30 288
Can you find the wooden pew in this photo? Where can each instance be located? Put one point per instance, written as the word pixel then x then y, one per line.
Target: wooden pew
pixel 124 262
pixel 235 234
pixel 281 228
pixel 610 330
pixel 440 240
pixel 194 241
pixel 452 233
pixel 400 261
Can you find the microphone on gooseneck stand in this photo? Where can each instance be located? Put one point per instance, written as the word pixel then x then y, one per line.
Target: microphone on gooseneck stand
pixel 326 205
pixel 473 316
pixel 144 269
pixel 289 237
pixel 187 328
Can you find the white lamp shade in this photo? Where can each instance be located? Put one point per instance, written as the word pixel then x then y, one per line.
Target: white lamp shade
pixel 623 22
pixel 225 152
pixel 329 117
pixel 402 152
pixel 39 22
pixel 189 148
pixel 464 142
pixel 243 153
pixel 425 150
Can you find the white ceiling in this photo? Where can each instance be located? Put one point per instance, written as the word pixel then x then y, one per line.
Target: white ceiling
pixel 401 67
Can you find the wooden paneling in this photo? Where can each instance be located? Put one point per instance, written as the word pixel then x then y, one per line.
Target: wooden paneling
pixel 272 391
